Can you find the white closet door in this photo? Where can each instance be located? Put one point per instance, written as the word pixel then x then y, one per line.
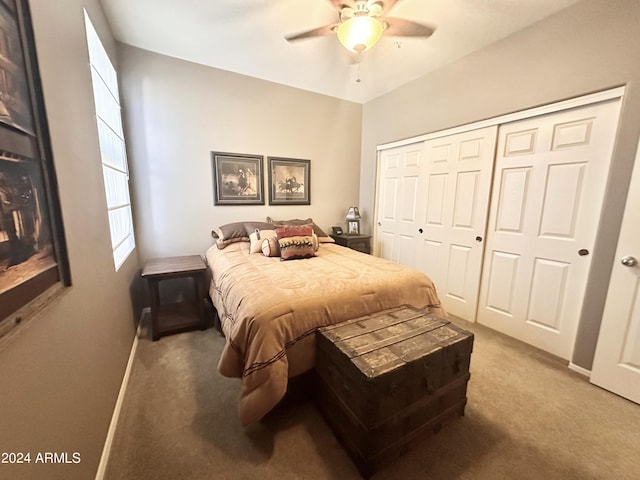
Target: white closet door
pixel 616 364
pixel 396 233
pixel 453 213
pixel 550 178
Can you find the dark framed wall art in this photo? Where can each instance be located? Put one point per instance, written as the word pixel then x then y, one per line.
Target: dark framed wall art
pixel 33 254
pixel 237 179
pixel 289 181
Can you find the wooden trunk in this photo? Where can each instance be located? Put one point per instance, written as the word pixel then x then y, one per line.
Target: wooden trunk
pixel 385 380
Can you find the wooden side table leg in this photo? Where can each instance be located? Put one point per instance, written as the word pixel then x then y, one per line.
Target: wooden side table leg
pixel 154 299
pixel 199 282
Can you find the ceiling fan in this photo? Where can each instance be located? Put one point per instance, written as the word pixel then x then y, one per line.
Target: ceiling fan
pixel 363 22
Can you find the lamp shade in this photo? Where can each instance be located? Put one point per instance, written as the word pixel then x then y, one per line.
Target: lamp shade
pixel 360 33
pixel 353 214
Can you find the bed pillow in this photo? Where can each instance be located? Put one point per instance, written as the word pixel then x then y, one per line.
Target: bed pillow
pixel 295 242
pixel 251 227
pixel 322 236
pixel 257 237
pixel 270 247
pixel 230 233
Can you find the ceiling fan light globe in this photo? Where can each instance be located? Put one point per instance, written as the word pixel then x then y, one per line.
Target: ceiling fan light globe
pixel 360 33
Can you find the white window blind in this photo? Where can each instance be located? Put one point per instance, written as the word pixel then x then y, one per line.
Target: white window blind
pixel 112 147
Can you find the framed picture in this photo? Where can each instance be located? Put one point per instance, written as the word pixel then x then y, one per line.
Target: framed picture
pixel 237 179
pixel 353 227
pixel 289 181
pixel 33 253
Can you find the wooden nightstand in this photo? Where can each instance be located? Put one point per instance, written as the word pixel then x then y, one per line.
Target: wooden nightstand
pixel 361 243
pixel 179 316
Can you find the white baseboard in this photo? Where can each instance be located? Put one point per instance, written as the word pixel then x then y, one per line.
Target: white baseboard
pixel 580 370
pixel 106 450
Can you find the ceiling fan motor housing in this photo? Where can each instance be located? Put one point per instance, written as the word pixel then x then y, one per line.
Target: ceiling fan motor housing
pixel 362 23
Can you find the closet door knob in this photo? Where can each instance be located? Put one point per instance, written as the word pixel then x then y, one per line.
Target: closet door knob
pixel 629 261
pixel 420 230
pixel 478 238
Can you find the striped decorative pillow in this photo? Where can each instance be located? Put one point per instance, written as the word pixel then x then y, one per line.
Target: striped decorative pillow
pixel 296 242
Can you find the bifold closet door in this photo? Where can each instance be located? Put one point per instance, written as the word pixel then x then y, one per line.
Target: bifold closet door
pixel 549 183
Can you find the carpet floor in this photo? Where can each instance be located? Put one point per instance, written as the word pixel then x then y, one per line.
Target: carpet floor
pixel 528 417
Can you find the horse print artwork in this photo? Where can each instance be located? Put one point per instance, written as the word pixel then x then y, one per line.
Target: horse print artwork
pixel 237 179
pixel 25 235
pixel 33 254
pixel 289 181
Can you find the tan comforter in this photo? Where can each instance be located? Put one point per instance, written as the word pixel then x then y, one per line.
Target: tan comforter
pixel 269 310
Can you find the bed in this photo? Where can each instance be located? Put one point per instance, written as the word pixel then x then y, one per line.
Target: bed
pixel 269 309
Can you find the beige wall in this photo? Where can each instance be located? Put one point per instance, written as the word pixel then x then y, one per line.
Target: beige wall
pixel 177 112
pixel 60 375
pixel 591 46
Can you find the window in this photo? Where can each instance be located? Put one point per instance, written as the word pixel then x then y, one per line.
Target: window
pixel 112 147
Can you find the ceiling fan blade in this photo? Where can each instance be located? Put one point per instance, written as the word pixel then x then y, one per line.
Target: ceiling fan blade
pixel 388 5
pixel 400 27
pixel 338 4
pixel 316 32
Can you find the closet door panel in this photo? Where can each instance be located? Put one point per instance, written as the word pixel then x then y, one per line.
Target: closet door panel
pixel 502 271
pixel 550 178
pixel 457 171
pixel 399 194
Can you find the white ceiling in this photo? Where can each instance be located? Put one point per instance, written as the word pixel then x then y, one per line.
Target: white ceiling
pixel 247 37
